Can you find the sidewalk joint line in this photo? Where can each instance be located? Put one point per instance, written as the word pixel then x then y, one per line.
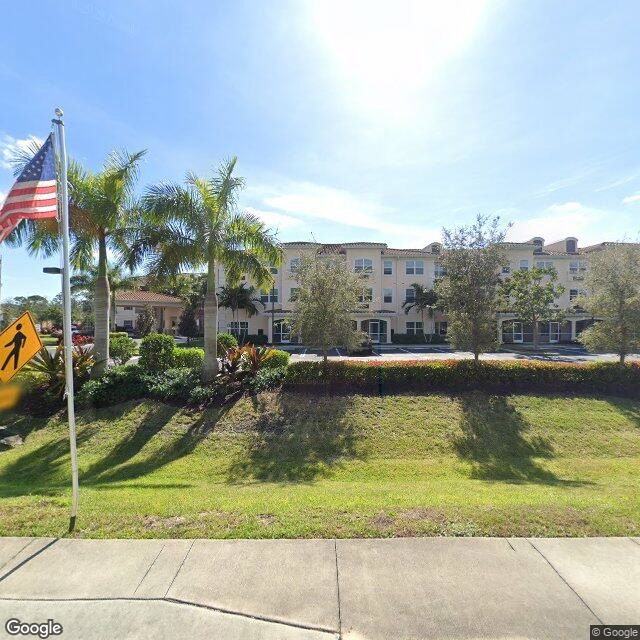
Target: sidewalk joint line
pixel 252 616
pixel 335 550
pixel 146 573
pixel 634 540
pixel 180 567
pixel 509 543
pixel 565 581
pixel 31 557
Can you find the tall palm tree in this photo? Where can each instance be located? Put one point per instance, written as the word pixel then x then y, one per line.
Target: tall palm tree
pixel 85 281
pixel 241 297
pixel 103 217
pixel 423 300
pixel 198 225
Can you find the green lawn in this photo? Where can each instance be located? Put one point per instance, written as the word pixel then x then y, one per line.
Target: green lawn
pixel 301 466
pixel 48 340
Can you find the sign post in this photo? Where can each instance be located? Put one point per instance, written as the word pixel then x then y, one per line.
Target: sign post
pixel 66 300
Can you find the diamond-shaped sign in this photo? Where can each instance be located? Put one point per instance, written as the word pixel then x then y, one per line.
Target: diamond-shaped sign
pixel 19 342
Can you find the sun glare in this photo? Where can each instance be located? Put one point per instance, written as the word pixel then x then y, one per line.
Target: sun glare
pixel 384 53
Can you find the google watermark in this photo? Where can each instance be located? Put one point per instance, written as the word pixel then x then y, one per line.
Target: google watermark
pixel 15 627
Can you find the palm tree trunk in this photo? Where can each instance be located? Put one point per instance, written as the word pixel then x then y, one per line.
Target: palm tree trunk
pixel 210 366
pixel 112 312
pixel 101 303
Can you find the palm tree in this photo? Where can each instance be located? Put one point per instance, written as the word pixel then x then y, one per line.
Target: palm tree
pixel 85 281
pixel 241 297
pixel 423 300
pixel 103 218
pixel 198 225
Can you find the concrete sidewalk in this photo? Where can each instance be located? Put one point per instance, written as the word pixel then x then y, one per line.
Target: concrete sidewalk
pixel 406 588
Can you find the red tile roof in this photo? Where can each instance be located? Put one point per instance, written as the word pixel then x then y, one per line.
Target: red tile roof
pixel 146 297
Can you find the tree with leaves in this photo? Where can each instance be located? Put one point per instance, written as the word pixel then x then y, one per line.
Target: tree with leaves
pixel 146 321
pixel 328 294
pixel 187 325
pixel 423 300
pixel 198 225
pixel 613 295
pixel 469 291
pixel 531 294
pixel 103 217
pixel 240 298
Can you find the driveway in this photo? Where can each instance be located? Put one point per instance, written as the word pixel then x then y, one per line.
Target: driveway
pixel 403 588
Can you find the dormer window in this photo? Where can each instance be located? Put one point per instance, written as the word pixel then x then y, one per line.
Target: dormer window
pixel 572 245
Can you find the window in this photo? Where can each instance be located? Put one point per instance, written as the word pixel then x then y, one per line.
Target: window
pixel 366 297
pixel 571 246
pixel 364 265
pixel 410 294
pixel 506 268
pixel 293 294
pixel 574 294
pixel 414 268
pixel 524 265
pixel 387 267
pixel 576 266
pixel 238 329
pixel 544 264
pixel 127 308
pixel 294 264
pixel 139 310
pixel 274 270
pixel 387 295
pixel 439 270
pixel 441 328
pixel 269 296
pixel 414 329
pixel 128 324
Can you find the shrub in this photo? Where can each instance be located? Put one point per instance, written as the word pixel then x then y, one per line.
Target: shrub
pixel 226 341
pixel 117 334
pixel 191 357
pixel 174 384
pixel 277 360
pixel 52 367
pixel 202 395
pixel 118 384
pixel 255 358
pixel 79 340
pixel 267 378
pixel 146 321
pixel 121 348
pixel 459 375
pixel 156 352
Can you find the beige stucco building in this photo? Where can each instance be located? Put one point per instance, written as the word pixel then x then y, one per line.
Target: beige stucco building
pixel 390 274
pixel 129 304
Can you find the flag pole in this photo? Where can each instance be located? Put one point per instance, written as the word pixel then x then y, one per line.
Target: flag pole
pixel 66 300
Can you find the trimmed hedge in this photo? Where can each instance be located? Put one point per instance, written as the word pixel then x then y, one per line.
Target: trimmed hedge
pixel 156 352
pixel 191 357
pixel 255 339
pixel 460 375
pixel 277 360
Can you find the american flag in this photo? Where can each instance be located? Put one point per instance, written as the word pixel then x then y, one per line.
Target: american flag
pixel 33 195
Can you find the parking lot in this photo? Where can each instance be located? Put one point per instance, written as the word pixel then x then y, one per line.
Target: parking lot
pixel 444 352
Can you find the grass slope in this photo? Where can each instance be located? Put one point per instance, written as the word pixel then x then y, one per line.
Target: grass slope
pixel 301 466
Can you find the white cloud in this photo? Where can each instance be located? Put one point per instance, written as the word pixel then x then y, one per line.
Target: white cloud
pixel 564 220
pixel 309 200
pixel 10 145
pixel 273 219
pixel 631 199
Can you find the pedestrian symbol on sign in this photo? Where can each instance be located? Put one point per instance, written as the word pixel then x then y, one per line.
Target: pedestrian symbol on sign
pixel 19 342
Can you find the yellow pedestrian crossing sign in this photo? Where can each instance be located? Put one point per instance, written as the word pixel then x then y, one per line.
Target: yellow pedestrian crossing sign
pixel 19 342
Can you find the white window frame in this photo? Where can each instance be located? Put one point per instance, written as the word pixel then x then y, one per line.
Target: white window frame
pixel 410 294
pixel 545 264
pixel 387 264
pixel 386 295
pixel 127 324
pixel 363 265
pixel 414 268
pixel 271 295
pixel 292 293
pixel 438 270
pixel 576 266
pixel 366 297
pixel 524 265
pixel 414 328
pixel 238 327
pixel 294 264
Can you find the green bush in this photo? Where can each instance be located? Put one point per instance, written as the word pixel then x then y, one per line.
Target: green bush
pixel 118 384
pixel 267 378
pixel 278 360
pixel 118 334
pixel 459 375
pixel 156 352
pixel 226 341
pixel 173 384
pixel 121 348
pixel 206 394
pixel 191 357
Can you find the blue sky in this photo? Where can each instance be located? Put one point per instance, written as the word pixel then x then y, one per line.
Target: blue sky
pixel 365 120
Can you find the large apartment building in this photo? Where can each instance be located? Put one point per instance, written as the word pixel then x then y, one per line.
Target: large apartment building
pixel 390 274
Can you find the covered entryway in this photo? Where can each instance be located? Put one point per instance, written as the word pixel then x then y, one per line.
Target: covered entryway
pixel 376 330
pixel 281 332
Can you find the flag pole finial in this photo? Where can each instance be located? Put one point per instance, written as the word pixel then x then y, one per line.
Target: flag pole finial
pixel 59 112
